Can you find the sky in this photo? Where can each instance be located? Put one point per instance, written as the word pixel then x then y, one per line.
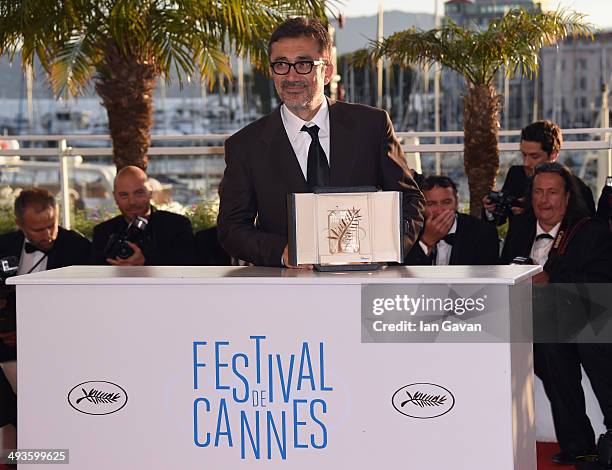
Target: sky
pixel 599 11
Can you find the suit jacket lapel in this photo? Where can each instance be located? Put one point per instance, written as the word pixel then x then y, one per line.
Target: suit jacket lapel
pixel 55 253
pixel 340 146
pixel 281 152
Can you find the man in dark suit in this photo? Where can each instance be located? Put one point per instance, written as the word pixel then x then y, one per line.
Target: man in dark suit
pixel 167 238
pixel 450 238
pixel 573 248
pixel 308 142
pixel 540 142
pixel 40 244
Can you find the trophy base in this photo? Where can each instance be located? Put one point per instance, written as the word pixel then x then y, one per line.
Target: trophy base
pixel 346 267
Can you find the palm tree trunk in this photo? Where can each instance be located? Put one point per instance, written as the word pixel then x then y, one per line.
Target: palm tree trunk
pixel 126 82
pixel 481 153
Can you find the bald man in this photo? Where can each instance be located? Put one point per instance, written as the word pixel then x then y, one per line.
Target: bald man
pixel 168 239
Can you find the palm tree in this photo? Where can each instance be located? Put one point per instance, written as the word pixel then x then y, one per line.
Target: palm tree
pixel 124 46
pixel 512 42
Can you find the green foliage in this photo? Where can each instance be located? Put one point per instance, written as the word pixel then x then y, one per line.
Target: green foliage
pixel 7 219
pixel 72 37
pixel 513 42
pixel 204 214
pixel 84 220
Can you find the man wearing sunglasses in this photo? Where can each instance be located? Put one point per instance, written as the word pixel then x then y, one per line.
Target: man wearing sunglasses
pixel 309 142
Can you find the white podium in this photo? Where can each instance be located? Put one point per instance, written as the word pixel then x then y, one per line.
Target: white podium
pixel 232 368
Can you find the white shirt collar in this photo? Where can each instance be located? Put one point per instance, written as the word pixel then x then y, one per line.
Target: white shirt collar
pixel 553 232
pixel 293 124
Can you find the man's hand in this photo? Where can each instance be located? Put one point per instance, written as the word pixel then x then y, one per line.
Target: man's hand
pixel 286 261
pixel 137 259
pixel 436 227
pixel 487 204
pixel 518 210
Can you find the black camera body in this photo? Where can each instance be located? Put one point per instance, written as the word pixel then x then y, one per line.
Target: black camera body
pixel 504 202
pixel 135 232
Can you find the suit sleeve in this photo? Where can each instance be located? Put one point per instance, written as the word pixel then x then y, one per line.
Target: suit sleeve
pixel 591 260
pixel 488 245
pixel 182 251
pixel 100 238
pixel 416 256
pixel 237 232
pixel 396 176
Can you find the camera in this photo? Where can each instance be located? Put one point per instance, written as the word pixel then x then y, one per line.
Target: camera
pixel 8 268
pixel 504 202
pixel 135 232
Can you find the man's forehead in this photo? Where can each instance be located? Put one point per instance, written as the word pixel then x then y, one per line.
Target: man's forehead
pixel 531 146
pixel 301 47
pixel 129 183
pixel 33 214
pixel 438 192
pixel 547 180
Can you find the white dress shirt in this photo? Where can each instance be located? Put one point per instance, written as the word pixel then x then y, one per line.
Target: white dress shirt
pixel 27 261
pixel 541 247
pixel 300 140
pixel 443 249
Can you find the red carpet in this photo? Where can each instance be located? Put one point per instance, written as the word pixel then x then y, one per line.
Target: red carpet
pixel 545 451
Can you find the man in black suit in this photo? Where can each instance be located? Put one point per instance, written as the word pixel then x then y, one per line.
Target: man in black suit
pixel 450 238
pixel 540 142
pixel 40 244
pixel 308 142
pixel 557 233
pixel 168 238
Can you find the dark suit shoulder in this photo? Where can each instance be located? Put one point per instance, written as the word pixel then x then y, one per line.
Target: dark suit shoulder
pixel 254 128
pixel 170 216
pixel 108 226
pixel 10 243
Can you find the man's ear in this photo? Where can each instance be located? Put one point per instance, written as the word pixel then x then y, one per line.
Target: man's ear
pixel 554 155
pixel 329 72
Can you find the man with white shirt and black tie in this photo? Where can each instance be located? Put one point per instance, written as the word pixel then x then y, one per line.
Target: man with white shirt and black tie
pixel 451 238
pixel 573 248
pixel 310 141
pixel 39 245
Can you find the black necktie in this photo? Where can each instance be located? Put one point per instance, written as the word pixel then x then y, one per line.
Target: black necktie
pixel 544 235
pixel 317 170
pixel 449 238
pixel 29 248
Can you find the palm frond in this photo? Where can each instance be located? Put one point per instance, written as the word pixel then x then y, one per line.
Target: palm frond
pixel 513 42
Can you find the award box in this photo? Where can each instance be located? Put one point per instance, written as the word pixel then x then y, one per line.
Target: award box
pixel 345 228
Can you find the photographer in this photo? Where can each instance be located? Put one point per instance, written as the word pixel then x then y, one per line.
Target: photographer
pixel 540 142
pixel 39 245
pixel 141 235
pixel 574 249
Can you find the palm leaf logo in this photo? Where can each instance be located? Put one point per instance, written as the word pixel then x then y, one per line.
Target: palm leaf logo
pixel 96 397
pixel 423 400
pixel 344 232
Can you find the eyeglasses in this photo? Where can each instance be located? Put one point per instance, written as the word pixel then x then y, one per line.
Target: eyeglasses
pixel 302 67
